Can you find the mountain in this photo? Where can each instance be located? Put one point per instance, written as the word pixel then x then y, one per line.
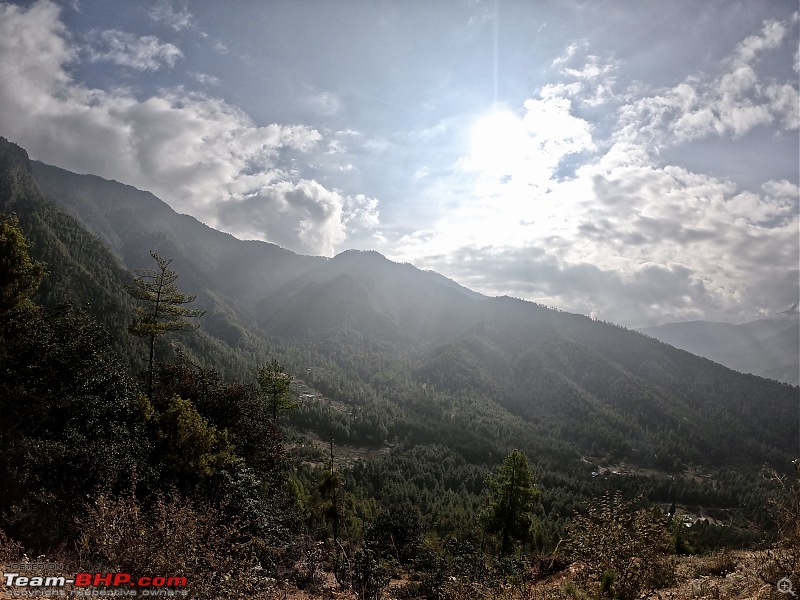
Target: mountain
pixel 88 269
pixel 368 292
pixel 81 270
pixel 596 384
pixel 768 347
pixel 413 371
pixel 130 223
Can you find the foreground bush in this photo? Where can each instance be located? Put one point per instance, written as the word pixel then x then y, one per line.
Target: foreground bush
pixel 626 550
pixel 174 537
pixel 783 557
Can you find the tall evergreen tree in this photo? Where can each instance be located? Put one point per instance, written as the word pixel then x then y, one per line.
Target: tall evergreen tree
pixel 512 496
pixel 274 384
pixel 162 307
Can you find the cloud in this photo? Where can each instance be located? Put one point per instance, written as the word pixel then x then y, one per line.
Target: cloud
pixel 36 41
pixel 770 38
pixel 164 12
pixel 508 151
pixel 578 65
pixel 537 272
pixel 592 78
pixel 324 103
pixel 554 129
pixel 640 270
pixel 626 237
pixel 303 216
pixel 141 53
pixel 205 78
pixel 202 155
pixel 731 104
pixel 361 212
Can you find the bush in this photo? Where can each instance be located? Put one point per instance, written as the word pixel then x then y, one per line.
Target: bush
pixel 783 557
pixel 396 533
pixel 625 549
pixel 174 537
pixel 362 573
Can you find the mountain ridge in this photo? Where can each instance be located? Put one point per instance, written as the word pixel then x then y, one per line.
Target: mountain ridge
pixel 108 208
pixel 400 358
pixel 769 347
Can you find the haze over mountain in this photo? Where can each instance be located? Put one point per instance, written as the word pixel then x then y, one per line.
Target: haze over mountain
pixel 248 275
pixel 768 347
pixel 401 332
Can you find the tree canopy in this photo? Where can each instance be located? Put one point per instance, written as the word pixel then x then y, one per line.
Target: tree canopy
pixel 20 275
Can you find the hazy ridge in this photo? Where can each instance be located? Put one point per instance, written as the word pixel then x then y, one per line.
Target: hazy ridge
pixel 410 362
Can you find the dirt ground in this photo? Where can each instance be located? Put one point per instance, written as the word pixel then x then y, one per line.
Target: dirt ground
pixel 726 576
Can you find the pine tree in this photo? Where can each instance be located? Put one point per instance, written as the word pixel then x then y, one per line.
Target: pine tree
pixel 274 385
pixel 512 497
pixel 162 307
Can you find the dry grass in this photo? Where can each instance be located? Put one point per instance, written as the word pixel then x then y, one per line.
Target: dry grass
pixel 734 575
pixel 696 581
pixel 721 576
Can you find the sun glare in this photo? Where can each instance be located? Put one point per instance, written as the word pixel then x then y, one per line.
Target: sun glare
pixel 497 143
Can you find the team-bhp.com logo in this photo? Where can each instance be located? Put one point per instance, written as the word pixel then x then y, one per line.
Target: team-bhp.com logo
pixel 87 584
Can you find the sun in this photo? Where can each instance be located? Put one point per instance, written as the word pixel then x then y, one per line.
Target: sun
pixel 498 143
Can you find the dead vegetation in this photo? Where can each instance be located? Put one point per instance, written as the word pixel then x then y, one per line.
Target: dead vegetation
pixel 720 576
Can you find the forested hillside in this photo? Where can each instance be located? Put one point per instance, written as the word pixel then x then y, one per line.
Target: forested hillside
pixel 377 320
pixel 407 392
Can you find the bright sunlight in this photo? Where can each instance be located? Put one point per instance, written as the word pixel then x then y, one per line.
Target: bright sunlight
pixel 498 144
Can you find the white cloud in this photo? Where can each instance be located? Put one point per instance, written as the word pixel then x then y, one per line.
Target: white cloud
pixel 557 132
pixel 302 216
pixel 146 53
pixel 594 77
pixel 195 151
pixel 361 212
pixel 784 104
pixel 422 173
pixel 771 37
pixel 590 67
pixel 205 79
pixel 36 41
pixel 164 12
pixel 733 103
pixel 625 234
pixel 508 151
pixel 663 244
pixel 569 54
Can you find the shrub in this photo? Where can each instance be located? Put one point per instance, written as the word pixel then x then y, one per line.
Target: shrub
pixel 783 557
pixel 396 533
pixel 176 538
pixel 625 549
pixel 362 573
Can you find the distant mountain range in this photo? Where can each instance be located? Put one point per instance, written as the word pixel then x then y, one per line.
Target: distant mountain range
pixel 409 358
pixel 767 347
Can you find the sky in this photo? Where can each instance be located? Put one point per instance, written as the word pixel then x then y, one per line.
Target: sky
pixel 636 162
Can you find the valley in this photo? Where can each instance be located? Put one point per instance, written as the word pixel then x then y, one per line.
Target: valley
pixel 421 386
